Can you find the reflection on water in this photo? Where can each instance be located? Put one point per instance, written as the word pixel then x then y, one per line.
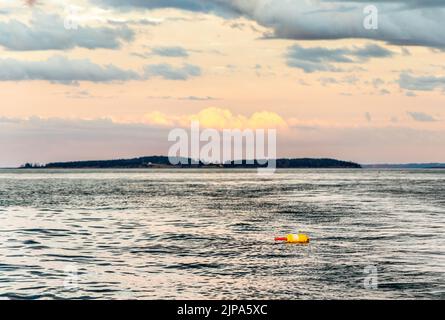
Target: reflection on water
pixel 209 234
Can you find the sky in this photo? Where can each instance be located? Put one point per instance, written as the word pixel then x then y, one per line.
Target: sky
pixel 103 79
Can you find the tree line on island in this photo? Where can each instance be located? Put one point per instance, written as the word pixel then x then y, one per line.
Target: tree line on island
pixel 164 162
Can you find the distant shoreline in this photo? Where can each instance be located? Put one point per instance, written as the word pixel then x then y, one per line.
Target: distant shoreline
pixel 162 162
pixel 405 166
pixel 219 168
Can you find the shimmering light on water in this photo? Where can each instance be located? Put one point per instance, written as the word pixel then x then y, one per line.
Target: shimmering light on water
pixel 209 234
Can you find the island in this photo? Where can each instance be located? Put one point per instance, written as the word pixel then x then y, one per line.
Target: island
pixel 164 162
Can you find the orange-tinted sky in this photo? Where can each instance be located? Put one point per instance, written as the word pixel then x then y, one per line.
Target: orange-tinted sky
pixel 108 78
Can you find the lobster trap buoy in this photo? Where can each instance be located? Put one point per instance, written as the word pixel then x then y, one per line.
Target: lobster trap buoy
pixel 294 238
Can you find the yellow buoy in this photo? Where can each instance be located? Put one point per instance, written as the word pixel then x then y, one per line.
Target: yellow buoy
pixel 294 238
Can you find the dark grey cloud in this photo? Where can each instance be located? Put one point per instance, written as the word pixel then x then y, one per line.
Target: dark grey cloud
pixel 319 54
pixel 370 51
pixel 47 32
pixel 60 69
pixel 403 3
pixel 313 59
pixel 239 7
pixel 421 117
pixel 220 7
pixel 421 83
pixel 401 22
pixel 169 72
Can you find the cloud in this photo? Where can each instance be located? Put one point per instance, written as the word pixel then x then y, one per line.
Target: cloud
pixel 370 51
pixel 60 69
pixel 327 81
pixel 322 59
pixel 196 98
pixel 349 80
pixel 220 7
pixel 167 52
pixel 242 6
pixel 421 117
pixel 314 59
pixel 169 72
pixel 397 26
pixel 47 32
pixel 405 4
pixel 421 83
pixel 401 22
pixel 217 118
pixel 43 140
pixel 140 22
pixel 80 94
pixel 173 51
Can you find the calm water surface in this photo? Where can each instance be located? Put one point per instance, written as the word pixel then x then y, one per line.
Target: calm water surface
pixel 208 234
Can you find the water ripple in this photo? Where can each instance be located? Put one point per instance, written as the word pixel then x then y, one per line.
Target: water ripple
pixel 208 234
